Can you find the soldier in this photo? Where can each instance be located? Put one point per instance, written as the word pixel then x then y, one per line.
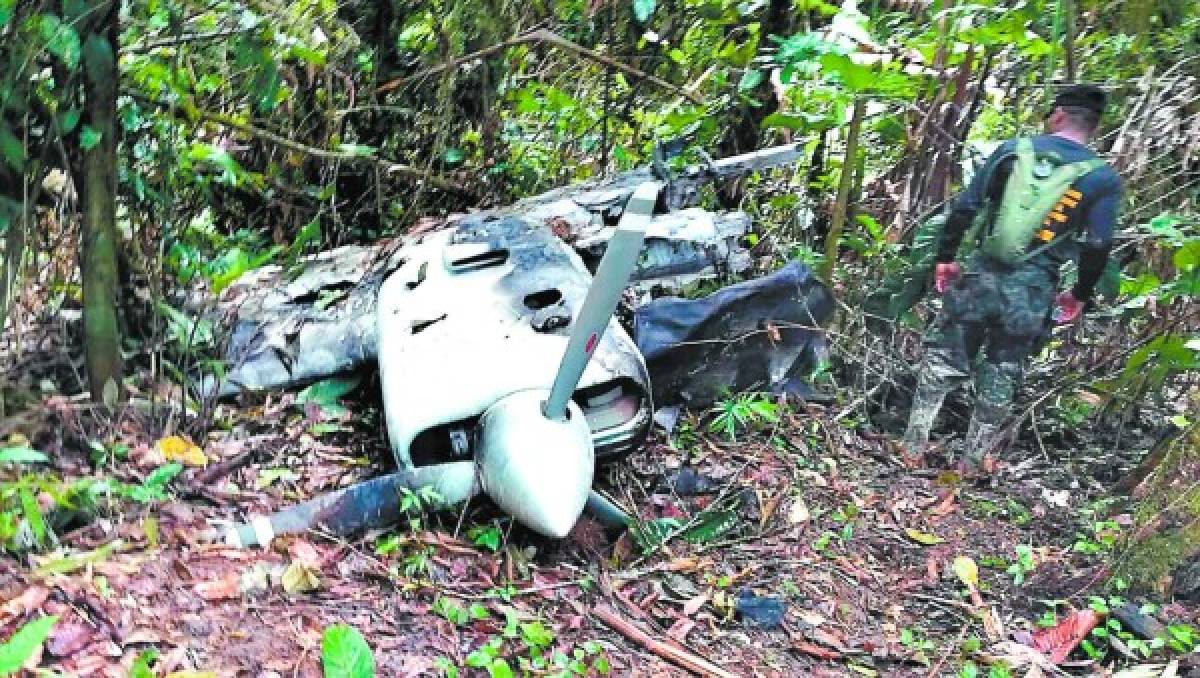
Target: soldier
pixel 1041 202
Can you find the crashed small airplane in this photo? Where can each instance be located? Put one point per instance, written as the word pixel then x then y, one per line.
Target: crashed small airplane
pixel 503 369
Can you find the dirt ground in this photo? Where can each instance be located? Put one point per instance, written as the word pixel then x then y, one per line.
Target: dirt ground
pixel 810 516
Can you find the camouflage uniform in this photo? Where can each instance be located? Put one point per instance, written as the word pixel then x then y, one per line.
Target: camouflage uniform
pixel 991 320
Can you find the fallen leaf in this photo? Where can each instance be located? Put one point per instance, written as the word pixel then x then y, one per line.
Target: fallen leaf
pixel 29 600
pixel 67 638
pixel 967 571
pixel 1060 640
pixel 178 448
pixel 305 553
pixel 799 512
pixel 923 537
pixel 219 589
pixel 300 578
pixel 948 479
pixel 944 507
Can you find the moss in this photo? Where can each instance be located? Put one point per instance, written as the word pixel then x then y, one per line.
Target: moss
pixel 1166 530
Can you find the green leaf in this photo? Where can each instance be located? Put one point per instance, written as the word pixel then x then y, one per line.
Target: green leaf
pixel 750 79
pixel 642 9
pixel 453 157
pixel 1187 256
pixel 327 392
pixel 162 475
pixel 68 120
pixel 345 654
pixel 309 233
pixel 88 138
pixel 356 149
pixel 61 40
pixel 653 533
pixel 308 54
pixel 855 77
pixel 22 455
pixel 12 149
pixel 68 564
pixel 710 525
pixel 152 487
pixel 923 537
pixel 499 669
pixel 6 11
pixel 536 635
pixel 74 9
pixel 141 665
pixel 33 515
pixel 24 643
pixel 795 123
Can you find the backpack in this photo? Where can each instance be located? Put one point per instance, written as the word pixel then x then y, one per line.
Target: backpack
pixel 1026 216
pixel 1030 211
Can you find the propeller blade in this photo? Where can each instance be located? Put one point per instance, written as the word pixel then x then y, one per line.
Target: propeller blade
pixel 602 297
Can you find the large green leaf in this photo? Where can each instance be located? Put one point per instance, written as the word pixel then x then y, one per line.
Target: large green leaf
pixel 327 392
pixel 23 643
pixel 855 77
pixel 6 11
pixel 345 654
pixel 750 79
pixel 61 40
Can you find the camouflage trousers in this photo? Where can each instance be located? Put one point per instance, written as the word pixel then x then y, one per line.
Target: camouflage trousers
pixel 991 320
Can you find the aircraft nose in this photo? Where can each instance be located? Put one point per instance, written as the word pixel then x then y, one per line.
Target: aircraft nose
pixel 538 470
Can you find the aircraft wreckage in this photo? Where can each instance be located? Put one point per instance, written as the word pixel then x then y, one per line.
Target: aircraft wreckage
pixel 502 366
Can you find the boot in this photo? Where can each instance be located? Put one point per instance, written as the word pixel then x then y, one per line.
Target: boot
pixel 925 406
pixel 980 442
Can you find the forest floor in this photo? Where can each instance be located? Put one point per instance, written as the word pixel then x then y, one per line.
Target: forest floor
pixel 810 515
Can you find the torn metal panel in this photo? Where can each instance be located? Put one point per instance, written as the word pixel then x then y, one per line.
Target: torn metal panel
pixel 680 248
pixel 322 322
pixel 761 334
pixel 482 311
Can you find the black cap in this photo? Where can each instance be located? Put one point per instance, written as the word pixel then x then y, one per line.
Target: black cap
pixel 1082 96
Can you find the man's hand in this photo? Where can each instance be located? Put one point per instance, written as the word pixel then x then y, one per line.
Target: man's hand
pixel 1069 308
pixel 944 275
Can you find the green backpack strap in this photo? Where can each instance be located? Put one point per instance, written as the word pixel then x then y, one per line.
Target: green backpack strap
pixel 1034 187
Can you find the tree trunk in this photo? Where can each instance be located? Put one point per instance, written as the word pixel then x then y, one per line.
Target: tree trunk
pixel 743 135
pixel 849 163
pixel 98 256
pixel 1161 551
pixel 1068 19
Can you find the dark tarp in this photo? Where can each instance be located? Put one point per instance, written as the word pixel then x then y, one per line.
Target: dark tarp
pixel 761 334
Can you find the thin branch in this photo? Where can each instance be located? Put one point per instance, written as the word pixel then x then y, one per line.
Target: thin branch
pixel 549 37
pixel 673 654
pixel 175 41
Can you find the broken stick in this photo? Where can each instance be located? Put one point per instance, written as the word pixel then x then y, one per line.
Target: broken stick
pixel 682 658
